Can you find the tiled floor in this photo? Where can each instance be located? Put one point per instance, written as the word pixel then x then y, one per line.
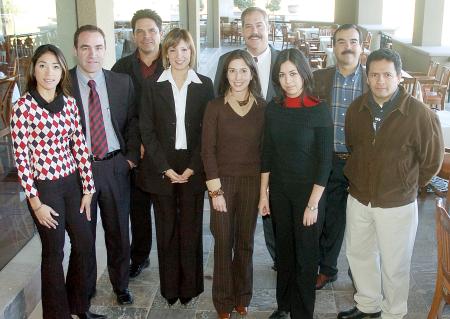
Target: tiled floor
pixel 334 297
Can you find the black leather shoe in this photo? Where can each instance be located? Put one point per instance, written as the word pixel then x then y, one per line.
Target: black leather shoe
pixel 185 301
pixel 172 301
pixel 279 314
pixel 124 297
pixel 90 315
pixel 136 269
pixel 355 313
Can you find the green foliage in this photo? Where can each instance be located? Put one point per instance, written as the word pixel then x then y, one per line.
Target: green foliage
pixel 273 5
pixel 244 4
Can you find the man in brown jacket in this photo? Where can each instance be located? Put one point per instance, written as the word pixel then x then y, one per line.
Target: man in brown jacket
pixel 396 146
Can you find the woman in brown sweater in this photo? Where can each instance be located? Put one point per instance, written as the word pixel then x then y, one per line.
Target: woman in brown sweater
pixel 231 152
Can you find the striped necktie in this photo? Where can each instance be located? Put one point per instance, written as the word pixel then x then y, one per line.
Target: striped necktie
pixel 99 143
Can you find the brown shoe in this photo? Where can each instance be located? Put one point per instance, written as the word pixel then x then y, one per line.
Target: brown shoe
pixel 224 315
pixel 241 310
pixel 322 280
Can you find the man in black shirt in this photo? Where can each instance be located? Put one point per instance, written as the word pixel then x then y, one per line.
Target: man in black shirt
pixel 144 64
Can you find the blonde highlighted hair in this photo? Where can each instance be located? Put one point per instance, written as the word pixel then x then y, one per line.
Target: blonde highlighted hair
pixel 172 39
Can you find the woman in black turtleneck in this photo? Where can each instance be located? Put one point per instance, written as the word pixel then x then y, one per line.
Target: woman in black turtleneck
pixel 51 155
pixel 296 163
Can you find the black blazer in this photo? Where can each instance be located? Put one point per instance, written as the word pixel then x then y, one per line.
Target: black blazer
pixel 130 65
pixel 122 105
pixel 157 123
pixel 271 92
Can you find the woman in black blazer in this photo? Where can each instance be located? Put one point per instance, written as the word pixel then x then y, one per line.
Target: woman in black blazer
pixel 171 114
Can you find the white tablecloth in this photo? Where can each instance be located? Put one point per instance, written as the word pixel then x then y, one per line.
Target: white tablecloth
pixel 444 117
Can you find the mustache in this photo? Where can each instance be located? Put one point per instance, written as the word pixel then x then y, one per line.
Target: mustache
pixel 254 35
pixel 348 52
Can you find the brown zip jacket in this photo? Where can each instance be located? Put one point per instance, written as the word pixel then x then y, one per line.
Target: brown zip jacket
pixel 386 168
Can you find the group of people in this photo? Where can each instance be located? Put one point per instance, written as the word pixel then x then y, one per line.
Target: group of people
pixel 340 150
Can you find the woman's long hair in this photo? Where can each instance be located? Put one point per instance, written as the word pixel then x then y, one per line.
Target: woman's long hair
pixel 254 86
pixel 64 83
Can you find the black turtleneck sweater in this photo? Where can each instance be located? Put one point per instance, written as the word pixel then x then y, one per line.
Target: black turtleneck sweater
pixel 298 144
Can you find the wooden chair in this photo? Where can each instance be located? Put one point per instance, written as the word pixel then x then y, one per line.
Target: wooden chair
pixel 432 70
pixel 434 94
pixel 410 85
pixel 442 289
pixel 6 91
pixel 288 37
pixel 368 41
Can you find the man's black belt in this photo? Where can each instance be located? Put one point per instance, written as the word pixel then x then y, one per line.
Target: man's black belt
pixel 342 155
pixel 108 156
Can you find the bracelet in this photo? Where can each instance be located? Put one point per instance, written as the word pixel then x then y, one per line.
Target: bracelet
pixel 35 210
pixel 312 208
pixel 216 193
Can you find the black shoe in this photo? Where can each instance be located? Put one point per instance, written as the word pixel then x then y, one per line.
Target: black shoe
pixel 90 315
pixel 185 301
pixel 136 269
pixel 124 297
pixel 171 301
pixel 279 314
pixel 355 313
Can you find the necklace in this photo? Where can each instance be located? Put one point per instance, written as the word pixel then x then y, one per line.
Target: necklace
pixel 244 102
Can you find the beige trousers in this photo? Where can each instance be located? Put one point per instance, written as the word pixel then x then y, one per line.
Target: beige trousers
pixel 379 245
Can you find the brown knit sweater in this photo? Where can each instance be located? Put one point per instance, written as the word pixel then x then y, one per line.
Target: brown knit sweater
pixel 231 144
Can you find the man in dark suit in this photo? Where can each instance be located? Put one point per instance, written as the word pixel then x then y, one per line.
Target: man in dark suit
pixel 255 30
pixel 106 104
pixel 143 64
pixel 338 85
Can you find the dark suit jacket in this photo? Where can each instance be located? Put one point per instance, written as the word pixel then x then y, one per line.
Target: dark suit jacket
pixel 324 81
pixel 157 123
pixel 130 65
pixel 122 105
pixel 270 91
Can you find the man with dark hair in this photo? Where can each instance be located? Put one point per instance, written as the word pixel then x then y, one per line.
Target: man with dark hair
pixel 395 144
pixel 338 85
pixel 144 63
pixel 255 30
pixel 106 105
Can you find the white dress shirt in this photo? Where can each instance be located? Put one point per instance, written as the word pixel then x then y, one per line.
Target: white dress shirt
pixel 179 97
pixel 263 64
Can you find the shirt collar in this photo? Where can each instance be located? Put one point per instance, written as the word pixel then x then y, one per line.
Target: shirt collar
pixel 358 71
pixel 99 77
pixel 263 55
pixel 398 97
pixel 191 77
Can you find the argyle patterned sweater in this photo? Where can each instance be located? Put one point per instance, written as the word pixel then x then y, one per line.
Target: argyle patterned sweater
pixel 48 146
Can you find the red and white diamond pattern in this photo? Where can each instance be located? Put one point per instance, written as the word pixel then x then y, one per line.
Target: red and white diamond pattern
pixel 48 146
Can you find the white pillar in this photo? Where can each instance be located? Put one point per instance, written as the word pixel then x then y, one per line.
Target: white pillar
pixel 370 12
pixel 213 24
pixel 428 21
pixel 101 14
pixel 66 26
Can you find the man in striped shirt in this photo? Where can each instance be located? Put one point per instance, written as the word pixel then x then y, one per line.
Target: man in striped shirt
pixel 339 85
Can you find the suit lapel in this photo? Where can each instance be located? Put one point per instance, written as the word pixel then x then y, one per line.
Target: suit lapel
pixel 77 95
pixel 163 91
pixel 114 97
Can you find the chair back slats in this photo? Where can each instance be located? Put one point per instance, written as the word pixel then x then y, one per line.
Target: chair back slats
pixel 442 289
pixel 433 68
pixel 410 85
